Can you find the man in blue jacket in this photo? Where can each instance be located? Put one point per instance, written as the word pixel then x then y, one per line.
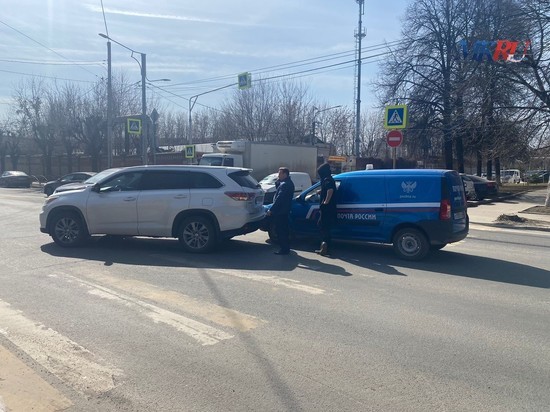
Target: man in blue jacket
pixel 280 210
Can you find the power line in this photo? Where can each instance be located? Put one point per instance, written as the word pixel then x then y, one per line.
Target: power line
pixel 47 77
pixel 46 47
pixel 54 63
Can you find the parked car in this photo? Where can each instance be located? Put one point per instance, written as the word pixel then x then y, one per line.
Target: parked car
pixel 76 177
pixel 469 188
pixel 88 182
pixel 483 188
pixel 301 182
pixel 538 176
pixel 510 176
pixel 200 205
pixel 416 210
pixel 15 178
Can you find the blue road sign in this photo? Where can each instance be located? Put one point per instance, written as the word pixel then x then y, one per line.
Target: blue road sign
pixel 190 151
pixel 396 117
pixel 134 126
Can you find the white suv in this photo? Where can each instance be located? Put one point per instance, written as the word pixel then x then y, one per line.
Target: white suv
pixel 200 205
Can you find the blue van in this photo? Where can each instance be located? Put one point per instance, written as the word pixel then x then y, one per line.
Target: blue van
pixel 416 210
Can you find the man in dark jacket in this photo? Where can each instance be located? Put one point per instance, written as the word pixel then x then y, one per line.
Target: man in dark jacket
pixel 280 210
pixel 327 208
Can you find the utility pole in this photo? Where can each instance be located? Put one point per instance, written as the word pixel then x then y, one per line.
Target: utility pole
pixel 144 122
pixel 359 36
pixel 109 108
pixel 144 117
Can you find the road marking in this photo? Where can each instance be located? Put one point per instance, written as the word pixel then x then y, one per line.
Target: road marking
pixel 204 334
pixel 270 280
pixel 218 314
pixel 273 280
pixel 24 390
pixel 73 364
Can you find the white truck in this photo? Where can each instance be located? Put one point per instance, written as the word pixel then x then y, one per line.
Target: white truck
pixel 262 157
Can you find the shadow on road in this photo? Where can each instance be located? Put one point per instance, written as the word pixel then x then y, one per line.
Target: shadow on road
pixel 245 255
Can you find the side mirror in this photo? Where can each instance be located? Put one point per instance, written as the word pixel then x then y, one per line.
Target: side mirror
pixel 96 188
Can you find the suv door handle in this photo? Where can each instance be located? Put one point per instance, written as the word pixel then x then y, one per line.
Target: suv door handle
pixel 378 209
pixel 129 199
pixel 180 197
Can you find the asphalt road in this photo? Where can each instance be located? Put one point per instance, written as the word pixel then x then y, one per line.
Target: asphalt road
pixel 137 325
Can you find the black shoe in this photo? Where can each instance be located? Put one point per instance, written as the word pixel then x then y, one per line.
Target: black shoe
pixel 282 252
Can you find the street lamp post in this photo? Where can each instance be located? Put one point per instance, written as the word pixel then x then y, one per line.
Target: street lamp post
pixel 192 101
pixel 316 111
pixel 143 66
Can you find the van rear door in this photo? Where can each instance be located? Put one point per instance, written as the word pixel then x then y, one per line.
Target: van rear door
pixel 454 191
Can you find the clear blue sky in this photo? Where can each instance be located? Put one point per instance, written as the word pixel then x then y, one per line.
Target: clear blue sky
pixel 199 45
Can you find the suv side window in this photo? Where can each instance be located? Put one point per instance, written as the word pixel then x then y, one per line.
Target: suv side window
pixel 166 180
pixel 244 179
pixel 123 182
pixel 202 180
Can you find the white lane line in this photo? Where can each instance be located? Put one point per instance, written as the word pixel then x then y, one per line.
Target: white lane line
pixel 213 313
pixel 73 364
pixel 204 334
pixel 273 280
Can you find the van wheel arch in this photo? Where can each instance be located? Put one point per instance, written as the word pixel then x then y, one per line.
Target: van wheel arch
pixel 410 243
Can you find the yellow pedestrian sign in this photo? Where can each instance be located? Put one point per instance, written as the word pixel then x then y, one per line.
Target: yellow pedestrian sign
pixel 396 117
pixel 190 151
pixel 134 126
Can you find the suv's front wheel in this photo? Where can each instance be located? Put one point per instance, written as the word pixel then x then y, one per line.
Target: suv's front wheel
pixel 197 234
pixel 68 229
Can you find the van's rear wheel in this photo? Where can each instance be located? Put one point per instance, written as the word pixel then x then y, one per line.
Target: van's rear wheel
pixel 197 235
pixel 411 244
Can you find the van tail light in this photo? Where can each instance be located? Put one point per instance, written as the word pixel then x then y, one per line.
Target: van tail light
pixel 241 196
pixel 445 210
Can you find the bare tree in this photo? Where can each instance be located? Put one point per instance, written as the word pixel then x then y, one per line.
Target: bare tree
pixel 30 98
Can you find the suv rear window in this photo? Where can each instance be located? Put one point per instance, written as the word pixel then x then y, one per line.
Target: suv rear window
pixel 244 179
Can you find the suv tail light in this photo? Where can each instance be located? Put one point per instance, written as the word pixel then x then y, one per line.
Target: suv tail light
pixel 241 196
pixel 445 210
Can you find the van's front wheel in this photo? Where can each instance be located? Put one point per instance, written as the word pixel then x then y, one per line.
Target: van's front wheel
pixel 411 244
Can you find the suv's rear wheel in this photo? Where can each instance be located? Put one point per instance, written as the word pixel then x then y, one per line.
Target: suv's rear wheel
pixel 197 234
pixel 68 230
pixel 411 244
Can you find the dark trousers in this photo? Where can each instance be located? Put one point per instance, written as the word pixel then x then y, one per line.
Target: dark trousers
pixel 283 231
pixel 325 226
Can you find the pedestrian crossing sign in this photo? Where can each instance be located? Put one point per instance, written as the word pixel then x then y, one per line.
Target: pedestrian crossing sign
pixel 189 151
pixel 396 117
pixel 134 126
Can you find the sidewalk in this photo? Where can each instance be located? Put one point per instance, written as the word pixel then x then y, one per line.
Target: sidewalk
pixel 521 211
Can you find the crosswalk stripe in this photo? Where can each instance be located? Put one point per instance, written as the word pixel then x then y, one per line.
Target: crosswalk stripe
pixel 267 279
pixel 73 364
pixel 273 280
pixel 202 333
pixel 214 313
